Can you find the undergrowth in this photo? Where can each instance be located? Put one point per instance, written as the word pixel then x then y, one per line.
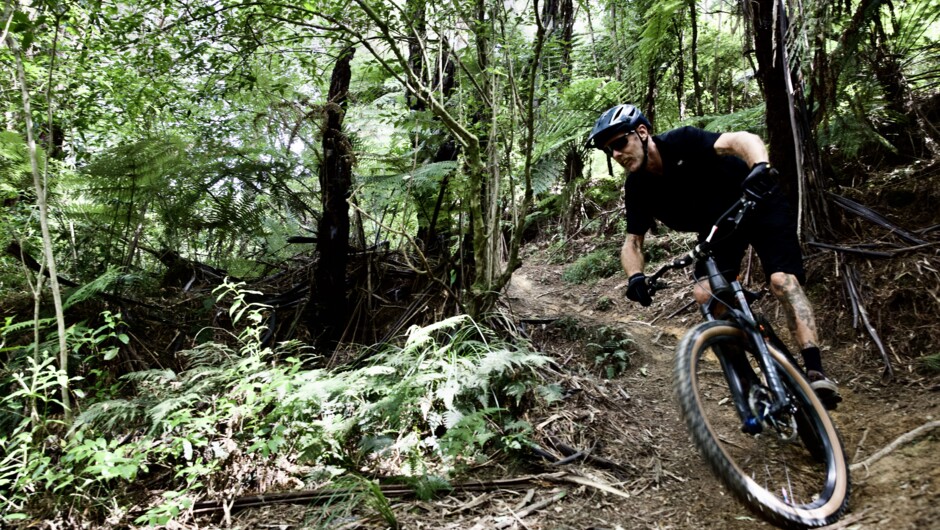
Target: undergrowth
pixel 246 418
pixel 601 263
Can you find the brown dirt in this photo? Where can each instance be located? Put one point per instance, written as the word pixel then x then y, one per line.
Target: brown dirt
pixel 632 420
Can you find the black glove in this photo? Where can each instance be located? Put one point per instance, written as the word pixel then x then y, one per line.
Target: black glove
pixel 638 290
pixel 760 182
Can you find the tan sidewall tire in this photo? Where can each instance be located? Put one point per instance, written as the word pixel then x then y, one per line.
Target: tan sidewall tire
pixel 757 498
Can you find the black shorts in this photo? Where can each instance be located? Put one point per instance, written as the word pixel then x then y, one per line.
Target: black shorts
pixel 771 230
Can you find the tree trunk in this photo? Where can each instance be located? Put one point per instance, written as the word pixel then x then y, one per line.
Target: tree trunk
pixel 772 76
pixel 696 77
pixel 793 150
pixel 41 189
pixel 416 39
pixel 328 296
pixel 652 89
pixel 680 72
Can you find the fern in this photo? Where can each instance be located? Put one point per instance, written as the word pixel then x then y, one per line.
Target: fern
pixel 96 286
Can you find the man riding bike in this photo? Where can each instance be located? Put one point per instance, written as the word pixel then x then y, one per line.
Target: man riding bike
pixel 686 178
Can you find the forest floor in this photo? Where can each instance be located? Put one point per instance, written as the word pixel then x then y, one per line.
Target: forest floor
pixel 632 420
pixel 630 423
pixel 639 446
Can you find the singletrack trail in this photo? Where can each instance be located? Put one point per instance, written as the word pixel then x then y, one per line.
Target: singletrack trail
pixel 632 420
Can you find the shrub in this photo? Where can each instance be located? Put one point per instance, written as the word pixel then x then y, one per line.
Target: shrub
pixel 601 263
pixel 422 409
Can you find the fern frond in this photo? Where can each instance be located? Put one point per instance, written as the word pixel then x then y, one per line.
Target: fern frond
pixel 110 415
pixel 96 286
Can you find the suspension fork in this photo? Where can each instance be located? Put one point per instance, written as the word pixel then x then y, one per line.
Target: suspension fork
pixel 740 377
pixel 748 324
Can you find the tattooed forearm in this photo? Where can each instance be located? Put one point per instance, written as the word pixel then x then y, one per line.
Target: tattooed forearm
pixel 797 308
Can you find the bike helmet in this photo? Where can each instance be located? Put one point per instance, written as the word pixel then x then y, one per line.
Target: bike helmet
pixel 622 118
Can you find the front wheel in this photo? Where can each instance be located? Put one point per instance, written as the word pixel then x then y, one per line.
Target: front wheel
pixel 793 472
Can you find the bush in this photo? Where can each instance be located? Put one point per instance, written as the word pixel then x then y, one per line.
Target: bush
pixel 601 263
pixel 425 408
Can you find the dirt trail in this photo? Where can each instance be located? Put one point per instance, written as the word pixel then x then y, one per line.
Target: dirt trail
pixel 632 420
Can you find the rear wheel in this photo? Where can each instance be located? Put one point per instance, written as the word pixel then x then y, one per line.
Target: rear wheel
pixel 793 472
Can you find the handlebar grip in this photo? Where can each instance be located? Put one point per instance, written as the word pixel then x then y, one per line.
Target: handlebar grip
pixel 656 285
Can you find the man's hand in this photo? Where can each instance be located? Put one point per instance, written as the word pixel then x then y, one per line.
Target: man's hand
pixel 760 182
pixel 638 290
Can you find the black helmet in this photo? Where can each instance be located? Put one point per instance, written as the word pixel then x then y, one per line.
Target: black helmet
pixel 622 118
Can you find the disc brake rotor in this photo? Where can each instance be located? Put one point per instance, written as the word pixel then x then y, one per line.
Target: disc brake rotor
pixel 760 400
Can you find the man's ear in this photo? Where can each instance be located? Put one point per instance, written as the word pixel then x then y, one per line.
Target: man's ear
pixel 642 132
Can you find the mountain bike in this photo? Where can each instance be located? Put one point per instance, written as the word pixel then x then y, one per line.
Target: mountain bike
pixel 748 405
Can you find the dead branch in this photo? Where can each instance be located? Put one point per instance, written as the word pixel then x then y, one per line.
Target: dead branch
pixel 856 298
pixel 388 490
pixel 872 216
pixel 569 452
pixel 852 250
pixel 898 442
pixel 507 522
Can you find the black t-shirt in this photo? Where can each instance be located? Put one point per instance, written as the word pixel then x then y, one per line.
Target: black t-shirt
pixel 697 185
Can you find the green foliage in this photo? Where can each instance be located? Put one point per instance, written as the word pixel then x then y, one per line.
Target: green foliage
pixel 426 408
pixel 609 347
pixel 15 169
pixel 750 119
pixel 600 263
pixel 932 362
pixel 26 461
pixel 611 350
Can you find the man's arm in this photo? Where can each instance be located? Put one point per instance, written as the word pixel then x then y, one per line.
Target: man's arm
pixel 744 145
pixel 631 254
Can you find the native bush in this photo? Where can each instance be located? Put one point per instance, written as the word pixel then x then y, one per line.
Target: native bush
pixel 424 408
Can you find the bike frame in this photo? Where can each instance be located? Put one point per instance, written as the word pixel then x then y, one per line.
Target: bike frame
pixel 732 297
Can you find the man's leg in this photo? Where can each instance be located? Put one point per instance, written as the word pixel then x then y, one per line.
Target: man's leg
pixel 797 308
pixel 802 324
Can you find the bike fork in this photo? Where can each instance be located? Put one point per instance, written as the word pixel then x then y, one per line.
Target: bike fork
pixel 740 377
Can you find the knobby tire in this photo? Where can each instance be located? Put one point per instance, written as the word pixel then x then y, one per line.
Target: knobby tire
pixel 816 455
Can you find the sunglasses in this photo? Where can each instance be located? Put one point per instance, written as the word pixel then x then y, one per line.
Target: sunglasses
pixel 618 144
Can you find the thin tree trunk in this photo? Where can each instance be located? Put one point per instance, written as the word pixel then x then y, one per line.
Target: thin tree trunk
pixel 696 77
pixel 329 298
pixel 40 186
pixel 680 73
pixel 615 39
pixel 597 68
pixel 772 76
pixel 652 89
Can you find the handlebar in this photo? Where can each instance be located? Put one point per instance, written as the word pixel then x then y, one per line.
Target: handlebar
pixel 734 215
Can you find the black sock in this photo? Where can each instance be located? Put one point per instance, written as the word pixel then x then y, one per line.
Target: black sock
pixel 811 359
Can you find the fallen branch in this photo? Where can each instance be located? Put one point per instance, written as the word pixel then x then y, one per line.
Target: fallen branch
pixel 865 253
pixel 855 295
pixel 591 483
pixel 901 440
pixel 852 250
pixel 674 313
pixel 508 521
pixel 569 451
pixel 388 490
pixel 874 217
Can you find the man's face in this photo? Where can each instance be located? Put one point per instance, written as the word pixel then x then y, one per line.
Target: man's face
pixel 627 149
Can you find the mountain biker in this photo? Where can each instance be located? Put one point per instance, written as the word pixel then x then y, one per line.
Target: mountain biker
pixel 686 178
